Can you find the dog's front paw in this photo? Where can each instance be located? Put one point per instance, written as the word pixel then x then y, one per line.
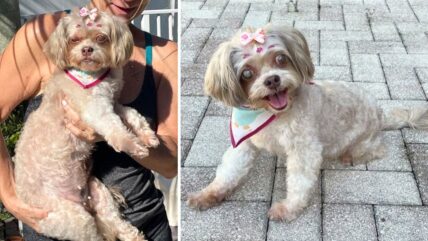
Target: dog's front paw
pixel 149 138
pixel 204 199
pixel 280 212
pixel 130 145
pixel 137 150
pixel 140 237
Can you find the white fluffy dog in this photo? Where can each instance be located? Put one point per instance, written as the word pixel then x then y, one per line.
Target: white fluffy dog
pixel 266 75
pixel 52 166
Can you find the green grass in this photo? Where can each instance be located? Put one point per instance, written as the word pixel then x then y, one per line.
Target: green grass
pixel 4 216
pixel 12 127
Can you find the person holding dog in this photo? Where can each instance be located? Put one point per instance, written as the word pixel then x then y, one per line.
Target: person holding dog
pixel 150 87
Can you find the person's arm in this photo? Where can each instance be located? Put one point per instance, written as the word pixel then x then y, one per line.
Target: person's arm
pixel 23 67
pixel 164 158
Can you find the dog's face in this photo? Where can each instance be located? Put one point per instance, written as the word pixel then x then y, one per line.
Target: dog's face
pixel 90 45
pixel 261 74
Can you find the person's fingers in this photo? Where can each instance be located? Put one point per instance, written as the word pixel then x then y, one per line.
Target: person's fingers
pixel 74 130
pixel 30 215
pixel 70 113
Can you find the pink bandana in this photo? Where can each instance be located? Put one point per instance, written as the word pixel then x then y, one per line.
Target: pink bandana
pixel 84 79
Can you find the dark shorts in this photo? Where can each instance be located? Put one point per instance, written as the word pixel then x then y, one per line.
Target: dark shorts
pixel 156 229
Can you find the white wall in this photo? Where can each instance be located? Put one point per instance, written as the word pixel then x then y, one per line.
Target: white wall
pixel 30 8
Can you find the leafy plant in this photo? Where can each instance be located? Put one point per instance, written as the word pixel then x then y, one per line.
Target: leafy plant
pixel 12 127
pixel 5 215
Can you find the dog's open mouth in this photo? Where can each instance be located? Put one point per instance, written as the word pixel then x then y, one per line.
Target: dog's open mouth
pixel 278 100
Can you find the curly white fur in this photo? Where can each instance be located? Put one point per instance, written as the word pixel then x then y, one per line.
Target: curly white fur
pixel 320 120
pixel 52 166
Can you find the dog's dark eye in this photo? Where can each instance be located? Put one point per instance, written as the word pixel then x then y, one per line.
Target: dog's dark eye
pixel 101 38
pixel 247 74
pixel 281 59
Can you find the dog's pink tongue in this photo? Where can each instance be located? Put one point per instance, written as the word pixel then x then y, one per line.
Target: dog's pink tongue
pixel 278 100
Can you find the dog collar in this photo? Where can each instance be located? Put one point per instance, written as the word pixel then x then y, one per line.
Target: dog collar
pixel 86 79
pixel 246 122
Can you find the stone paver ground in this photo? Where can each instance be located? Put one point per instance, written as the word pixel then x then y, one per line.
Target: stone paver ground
pixel 378 45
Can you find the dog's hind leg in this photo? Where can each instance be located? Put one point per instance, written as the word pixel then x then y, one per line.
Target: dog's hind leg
pixel 369 149
pixel 236 164
pixel 303 168
pixel 70 221
pixel 108 218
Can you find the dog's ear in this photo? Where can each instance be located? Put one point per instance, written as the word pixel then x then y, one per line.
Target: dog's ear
pixel 221 81
pixel 56 46
pixel 298 48
pixel 122 42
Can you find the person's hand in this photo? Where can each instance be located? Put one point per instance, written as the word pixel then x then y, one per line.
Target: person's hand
pixel 76 126
pixel 22 211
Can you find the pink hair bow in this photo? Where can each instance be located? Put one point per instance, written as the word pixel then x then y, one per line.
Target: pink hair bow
pixel 91 13
pixel 258 36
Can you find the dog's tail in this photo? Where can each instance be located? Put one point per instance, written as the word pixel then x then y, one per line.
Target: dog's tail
pixel 399 117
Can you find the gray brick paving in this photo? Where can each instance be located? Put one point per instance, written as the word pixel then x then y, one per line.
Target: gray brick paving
pixel 419 157
pixel 401 223
pixel 324 72
pixel 371 187
pixel 380 46
pixel 366 68
pixel 410 88
pixel 193 113
pixel 225 222
pixel 349 222
pixel 334 53
pixel 217 108
pixel 210 142
pixel 373 47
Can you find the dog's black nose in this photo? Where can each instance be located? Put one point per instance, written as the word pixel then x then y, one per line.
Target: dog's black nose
pixel 272 81
pixel 87 51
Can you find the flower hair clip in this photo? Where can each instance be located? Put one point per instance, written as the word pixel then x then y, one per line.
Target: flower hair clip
pixel 258 36
pixel 92 14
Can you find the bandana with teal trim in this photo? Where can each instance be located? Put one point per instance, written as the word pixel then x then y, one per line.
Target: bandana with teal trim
pixel 246 122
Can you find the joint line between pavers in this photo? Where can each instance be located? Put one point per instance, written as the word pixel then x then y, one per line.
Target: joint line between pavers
pixel 319 47
pixel 370 25
pixel 420 82
pixel 401 37
pixel 271 195
pixel 270 16
pixel 384 76
pixel 319 10
pixel 203 46
pixel 343 17
pixel 224 9
pixel 361 170
pixel 416 16
pixel 377 204
pixel 321 176
pixel 411 165
pixel 350 61
pixel 386 3
pixel 375 222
